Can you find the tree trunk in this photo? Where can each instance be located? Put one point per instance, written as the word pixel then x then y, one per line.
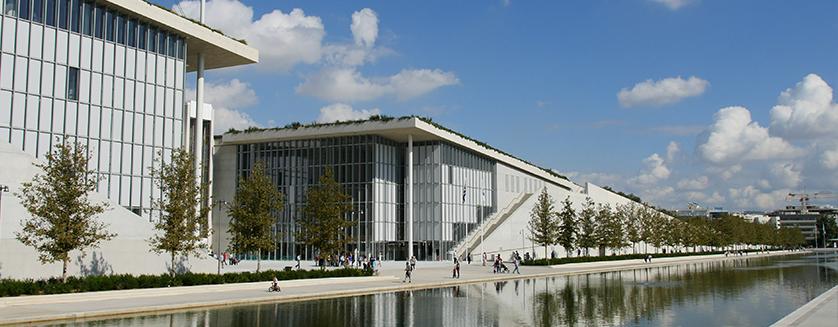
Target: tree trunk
pixel 546 255
pixel 65 262
pixel 172 271
pixel 259 261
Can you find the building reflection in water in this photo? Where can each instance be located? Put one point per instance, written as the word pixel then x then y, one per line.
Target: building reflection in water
pixel 743 292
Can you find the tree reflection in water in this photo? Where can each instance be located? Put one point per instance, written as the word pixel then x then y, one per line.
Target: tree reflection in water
pixel 737 292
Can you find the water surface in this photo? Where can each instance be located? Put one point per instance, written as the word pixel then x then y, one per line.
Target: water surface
pixel 746 292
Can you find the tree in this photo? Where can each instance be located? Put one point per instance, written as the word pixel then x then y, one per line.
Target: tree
pixel 631 214
pixel 543 225
pixel 252 213
pixel 587 226
pixel 608 232
pixel 63 219
pixel 612 229
pixel 183 209
pixel 656 226
pixel 827 228
pixel 567 226
pixel 324 224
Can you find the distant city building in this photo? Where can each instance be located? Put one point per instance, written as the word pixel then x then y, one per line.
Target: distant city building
pixel 805 220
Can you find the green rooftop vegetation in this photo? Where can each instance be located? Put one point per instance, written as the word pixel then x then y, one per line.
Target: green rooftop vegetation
pixel 385 118
pixel 242 41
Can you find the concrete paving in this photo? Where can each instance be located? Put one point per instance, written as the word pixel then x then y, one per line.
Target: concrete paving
pixel 821 311
pixel 29 309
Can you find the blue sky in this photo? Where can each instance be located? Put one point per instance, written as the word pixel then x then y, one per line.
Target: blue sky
pixel 540 79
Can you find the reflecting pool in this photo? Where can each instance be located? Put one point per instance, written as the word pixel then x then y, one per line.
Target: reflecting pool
pixel 746 292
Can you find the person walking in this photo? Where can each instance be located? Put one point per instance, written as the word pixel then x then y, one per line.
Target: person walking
pixel 484 259
pixel 515 261
pixel 413 262
pixel 468 258
pixel 456 272
pixel 408 269
pixel 298 262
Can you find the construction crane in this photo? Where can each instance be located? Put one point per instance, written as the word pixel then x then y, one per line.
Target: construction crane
pixel 804 198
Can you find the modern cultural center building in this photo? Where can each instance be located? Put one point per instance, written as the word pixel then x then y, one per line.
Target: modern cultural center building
pixel 417 188
pixel 110 74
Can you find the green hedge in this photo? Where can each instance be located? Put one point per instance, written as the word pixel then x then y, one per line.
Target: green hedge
pixel 559 261
pixel 11 287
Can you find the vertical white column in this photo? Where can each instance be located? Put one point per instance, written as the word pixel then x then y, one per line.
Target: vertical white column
pixel 199 120
pixel 409 196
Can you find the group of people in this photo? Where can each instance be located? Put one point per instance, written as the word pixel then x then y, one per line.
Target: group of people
pixel 226 259
pixel 347 260
pixel 499 266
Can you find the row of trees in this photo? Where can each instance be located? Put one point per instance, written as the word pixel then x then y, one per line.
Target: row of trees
pixel 63 217
pixel 601 226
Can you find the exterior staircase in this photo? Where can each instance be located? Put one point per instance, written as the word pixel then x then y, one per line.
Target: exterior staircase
pixel 472 240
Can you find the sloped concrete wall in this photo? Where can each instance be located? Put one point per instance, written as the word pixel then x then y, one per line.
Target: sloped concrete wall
pixel 128 252
pixel 513 234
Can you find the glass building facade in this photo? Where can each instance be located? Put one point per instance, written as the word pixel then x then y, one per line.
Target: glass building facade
pixel 82 70
pixel 453 191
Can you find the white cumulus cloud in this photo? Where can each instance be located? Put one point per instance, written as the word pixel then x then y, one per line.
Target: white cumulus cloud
pixel 344 112
pixel 662 92
pixel 806 110
pixel 283 39
pixel 829 159
pixel 364 27
pixel 656 170
pixel 698 183
pixel 734 137
pixel 227 99
pixel 349 85
pixel 672 150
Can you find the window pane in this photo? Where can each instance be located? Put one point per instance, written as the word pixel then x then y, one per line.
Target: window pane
pixel 62 13
pixel 24 9
pixel 50 4
pixel 181 50
pixel 172 51
pixel 87 24
pixel 100 22
pixel 75 15
pixel 141 39
pixel 11 7
pixel 38 11
pixel 152 40
pixel 161 43
pixel 132 34
pixel 72 83
pixel 110 20
pixel 120 29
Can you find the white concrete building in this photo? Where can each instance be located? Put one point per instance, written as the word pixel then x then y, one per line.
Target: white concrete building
pixel 456 190
pixel 110 74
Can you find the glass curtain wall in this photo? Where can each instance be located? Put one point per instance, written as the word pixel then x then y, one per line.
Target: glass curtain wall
pixel 454 192
pixel 366 166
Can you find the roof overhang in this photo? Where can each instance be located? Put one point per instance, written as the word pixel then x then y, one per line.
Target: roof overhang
pixel 219 50
pixel 397 130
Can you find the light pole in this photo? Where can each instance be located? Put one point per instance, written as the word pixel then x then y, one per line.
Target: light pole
pixel 482 224
pixel 3 189
pixel 218 232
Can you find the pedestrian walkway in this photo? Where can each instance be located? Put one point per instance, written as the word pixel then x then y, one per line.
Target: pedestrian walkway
pixel 821 311
pixel 41 308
